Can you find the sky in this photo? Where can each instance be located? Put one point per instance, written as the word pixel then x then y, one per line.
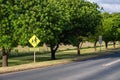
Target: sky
pixel 108 5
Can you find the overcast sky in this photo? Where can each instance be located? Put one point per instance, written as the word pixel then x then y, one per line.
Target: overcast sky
pixel 108 5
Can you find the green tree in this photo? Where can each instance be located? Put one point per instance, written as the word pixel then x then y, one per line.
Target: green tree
pixel 95 37
pixel 115 27
pixel 45 18
pixel 7 38
pixel 51 19
pixel 110 25
pixel 85 17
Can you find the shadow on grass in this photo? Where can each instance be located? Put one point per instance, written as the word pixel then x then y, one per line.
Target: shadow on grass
pixel 25 58
pixel 73 55
pixel 76 48
pixel 30 59
pixel 25 54
pixel 21 54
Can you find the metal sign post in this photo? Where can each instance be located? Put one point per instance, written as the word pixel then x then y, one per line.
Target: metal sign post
pixel 100 48
pixel 100 42
pixel 34 41
pixel 34 57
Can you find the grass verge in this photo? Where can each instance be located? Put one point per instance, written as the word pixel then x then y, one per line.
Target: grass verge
pixel 53 62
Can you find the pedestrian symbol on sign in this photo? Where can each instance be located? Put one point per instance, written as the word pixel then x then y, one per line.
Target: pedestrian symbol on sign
pixel 34 40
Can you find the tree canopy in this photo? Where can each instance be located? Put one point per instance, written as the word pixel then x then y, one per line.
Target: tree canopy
pixel 53 21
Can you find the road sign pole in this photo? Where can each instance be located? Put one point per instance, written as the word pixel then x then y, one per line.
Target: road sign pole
pixel 100 42
pixel 34 57
pixel 100 48
pixel 34 41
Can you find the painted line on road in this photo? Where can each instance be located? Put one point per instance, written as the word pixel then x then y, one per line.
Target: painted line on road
pixel 111 63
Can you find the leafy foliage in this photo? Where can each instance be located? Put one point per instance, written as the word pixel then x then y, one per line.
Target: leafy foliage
pixel 53 21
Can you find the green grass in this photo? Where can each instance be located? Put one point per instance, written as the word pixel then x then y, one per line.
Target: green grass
pixel 18 58
pixel 24 60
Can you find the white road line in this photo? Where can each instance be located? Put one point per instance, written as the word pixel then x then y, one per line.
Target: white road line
pixel 111 63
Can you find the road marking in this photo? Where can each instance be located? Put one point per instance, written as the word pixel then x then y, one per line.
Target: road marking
pixel 111 63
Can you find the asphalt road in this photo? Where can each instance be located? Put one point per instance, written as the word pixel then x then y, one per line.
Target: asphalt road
pixel 100 68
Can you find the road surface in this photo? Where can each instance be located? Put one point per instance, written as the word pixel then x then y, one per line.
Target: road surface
pixel 100 68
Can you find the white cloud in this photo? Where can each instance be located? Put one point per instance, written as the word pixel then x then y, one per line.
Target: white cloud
pixel 108 5
pixel 111 7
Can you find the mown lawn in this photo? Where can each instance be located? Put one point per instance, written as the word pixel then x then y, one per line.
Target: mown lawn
pixel 18 58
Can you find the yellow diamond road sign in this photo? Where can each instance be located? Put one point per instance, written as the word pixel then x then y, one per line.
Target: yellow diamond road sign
pixel 34 41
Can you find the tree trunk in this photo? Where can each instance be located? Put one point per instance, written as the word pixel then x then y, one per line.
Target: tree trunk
pixel 79 47
pixel 78 50
pixel 114 44
pixel 4 60
pixel 53 50
pixel 95 43
pixel 5 53
pixel 106 45
pixel 53 54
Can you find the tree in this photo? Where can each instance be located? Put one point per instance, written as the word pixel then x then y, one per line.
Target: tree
pixel 51 19
pixel 106 27
pixel 98 32
pixel 85 17
pixel 110 25
pixel 53 24
pixel 45 18
pixel 115 27
pixel 7 40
